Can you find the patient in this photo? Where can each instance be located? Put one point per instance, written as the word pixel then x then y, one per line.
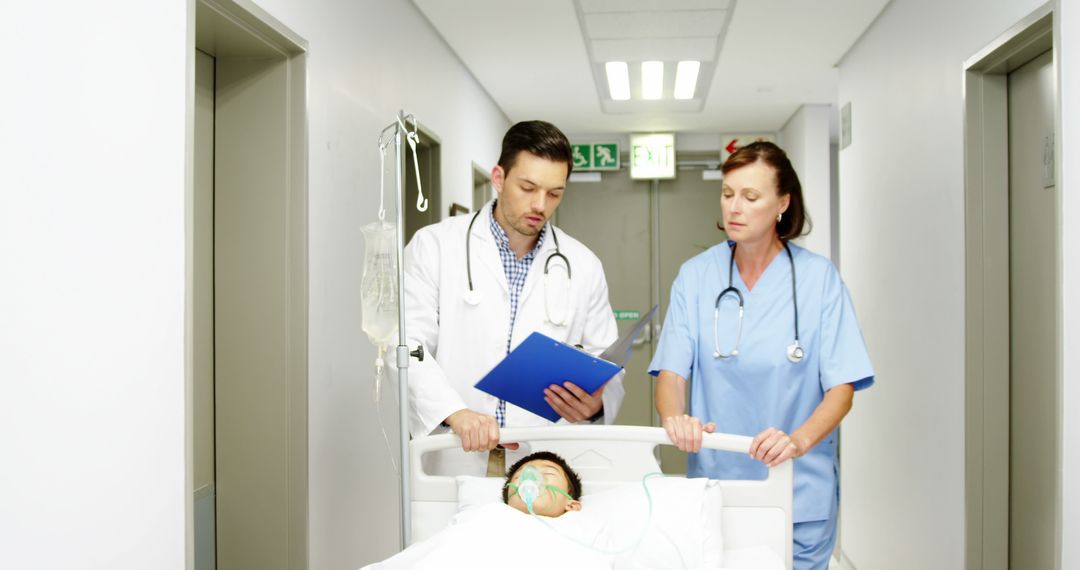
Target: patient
pixel 560 487
pixel 486 536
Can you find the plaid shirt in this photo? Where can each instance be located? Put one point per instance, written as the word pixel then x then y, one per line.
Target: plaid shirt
pixel 516 272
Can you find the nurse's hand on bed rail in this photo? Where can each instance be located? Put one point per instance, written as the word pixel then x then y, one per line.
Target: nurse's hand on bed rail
pixel 774 447
pixel 685 431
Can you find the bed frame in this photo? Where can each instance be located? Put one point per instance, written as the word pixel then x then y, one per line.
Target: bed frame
pixel 755 513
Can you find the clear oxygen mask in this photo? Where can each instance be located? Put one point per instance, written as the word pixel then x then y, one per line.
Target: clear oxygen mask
pixel 530 484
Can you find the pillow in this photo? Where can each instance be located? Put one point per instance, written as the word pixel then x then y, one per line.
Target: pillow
pixel 478 491
pixel 713 539
pixel 677 529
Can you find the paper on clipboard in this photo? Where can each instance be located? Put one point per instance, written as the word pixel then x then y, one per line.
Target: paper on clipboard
pixel 540 361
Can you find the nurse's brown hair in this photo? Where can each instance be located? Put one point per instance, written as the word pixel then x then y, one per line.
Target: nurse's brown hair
pixel 796 218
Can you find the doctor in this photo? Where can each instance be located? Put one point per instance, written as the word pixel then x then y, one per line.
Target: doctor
pixel 767 333
pixel 478 285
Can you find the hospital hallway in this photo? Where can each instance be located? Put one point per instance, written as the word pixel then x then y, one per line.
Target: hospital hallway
pixel 194 376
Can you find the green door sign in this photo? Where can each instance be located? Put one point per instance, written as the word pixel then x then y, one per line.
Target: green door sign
pixel 627 315
pixel 595 156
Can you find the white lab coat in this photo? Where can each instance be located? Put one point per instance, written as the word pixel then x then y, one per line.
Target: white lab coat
pixel 463 342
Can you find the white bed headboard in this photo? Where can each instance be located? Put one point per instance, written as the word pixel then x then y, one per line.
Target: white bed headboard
pixel 755 513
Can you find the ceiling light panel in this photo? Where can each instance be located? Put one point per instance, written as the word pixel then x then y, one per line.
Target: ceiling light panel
pixel 652 80
pixel 593 6
pixel 698 23
pixel 686 75
pixel 618 77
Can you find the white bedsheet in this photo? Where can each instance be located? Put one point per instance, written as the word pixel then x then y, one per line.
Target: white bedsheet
pixel 498 537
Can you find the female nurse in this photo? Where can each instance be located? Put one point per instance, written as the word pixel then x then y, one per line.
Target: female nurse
pixel 766 334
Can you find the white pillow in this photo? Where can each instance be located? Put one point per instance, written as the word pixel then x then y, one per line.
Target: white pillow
pixel 677 529
pixel 478 491
pixel 713 539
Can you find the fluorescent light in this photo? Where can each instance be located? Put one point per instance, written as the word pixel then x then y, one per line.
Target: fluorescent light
pixel 686 79
pixel 618 80
pixel 652 79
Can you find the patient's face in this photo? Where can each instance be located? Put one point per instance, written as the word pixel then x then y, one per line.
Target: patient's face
pixel 549 503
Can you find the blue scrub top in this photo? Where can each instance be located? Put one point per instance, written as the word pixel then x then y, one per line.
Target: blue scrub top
pixel 760 388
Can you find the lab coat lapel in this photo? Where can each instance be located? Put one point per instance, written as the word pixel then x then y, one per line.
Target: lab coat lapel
pixel 536 271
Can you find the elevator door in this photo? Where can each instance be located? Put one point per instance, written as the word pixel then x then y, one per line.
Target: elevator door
pixel 643 231
pixel 1033 439
pixel 611 218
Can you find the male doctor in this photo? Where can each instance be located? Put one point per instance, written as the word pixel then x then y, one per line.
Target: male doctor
pixel 477 285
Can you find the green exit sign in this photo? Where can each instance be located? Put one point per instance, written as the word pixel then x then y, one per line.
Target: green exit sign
pixel 595 156
pixel 652 156
pixel 625 315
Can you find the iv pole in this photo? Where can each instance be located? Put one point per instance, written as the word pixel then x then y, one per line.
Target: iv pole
pixel 403 354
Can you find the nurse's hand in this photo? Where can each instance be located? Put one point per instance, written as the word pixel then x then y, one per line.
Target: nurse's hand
pixel 573 403
pixel 774 447
pixel 685 432
pixel 478 432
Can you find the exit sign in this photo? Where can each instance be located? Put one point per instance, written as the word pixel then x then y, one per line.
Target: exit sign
pixel 596 156
pixel 652 156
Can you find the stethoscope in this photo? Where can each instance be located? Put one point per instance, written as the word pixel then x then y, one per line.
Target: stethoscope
pixel 795 352
pixel 472 297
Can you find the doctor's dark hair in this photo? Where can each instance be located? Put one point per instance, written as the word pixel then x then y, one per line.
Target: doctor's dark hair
pixel 796 218
pixel 537 137
pixel 571 475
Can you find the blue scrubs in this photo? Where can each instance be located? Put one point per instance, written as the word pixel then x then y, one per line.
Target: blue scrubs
pixel 760 388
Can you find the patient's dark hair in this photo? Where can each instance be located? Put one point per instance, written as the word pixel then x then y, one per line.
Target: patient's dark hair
pixel 571 476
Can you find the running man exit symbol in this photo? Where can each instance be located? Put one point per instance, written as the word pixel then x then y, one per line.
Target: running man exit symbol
pixel 606 155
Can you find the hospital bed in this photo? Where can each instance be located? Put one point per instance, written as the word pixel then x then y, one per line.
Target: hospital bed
pixel 755 514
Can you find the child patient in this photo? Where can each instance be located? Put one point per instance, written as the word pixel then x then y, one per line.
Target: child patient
pixel 558 485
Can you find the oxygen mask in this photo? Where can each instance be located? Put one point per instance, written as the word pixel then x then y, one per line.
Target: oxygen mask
pixel 530 484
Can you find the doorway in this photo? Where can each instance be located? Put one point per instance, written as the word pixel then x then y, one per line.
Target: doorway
pixel 248 291
pixel 1013 305
pixel 660 225
pixel 481 183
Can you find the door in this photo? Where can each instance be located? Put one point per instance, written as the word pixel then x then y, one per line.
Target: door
pixel 643 231
pixel 428 156
pixel 612 218
pixel 203 314
pixel 1033 439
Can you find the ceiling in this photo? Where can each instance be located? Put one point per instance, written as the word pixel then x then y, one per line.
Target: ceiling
pixel 536 59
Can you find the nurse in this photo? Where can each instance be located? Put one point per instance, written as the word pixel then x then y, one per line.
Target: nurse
pixel 766 334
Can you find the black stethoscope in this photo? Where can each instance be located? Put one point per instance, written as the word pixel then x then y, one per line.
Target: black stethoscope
pixel 795 352
pixel 472 297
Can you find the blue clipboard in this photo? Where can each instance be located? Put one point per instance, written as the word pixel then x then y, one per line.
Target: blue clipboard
pixel 538 362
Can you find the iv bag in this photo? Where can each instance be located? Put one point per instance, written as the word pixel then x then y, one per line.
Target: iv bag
pixel 379 286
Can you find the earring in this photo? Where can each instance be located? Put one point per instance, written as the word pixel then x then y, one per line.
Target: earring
pixel 779 216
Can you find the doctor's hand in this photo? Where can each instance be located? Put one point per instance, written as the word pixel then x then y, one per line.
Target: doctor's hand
pixel 573 403
pixel 685 431
pixel 774 447
pixel 478 432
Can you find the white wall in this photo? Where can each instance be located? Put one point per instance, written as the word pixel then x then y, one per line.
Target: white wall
pixel 805 138
pixel 366 60
pixel 1068 18
pixel 92 261
pixel 902 245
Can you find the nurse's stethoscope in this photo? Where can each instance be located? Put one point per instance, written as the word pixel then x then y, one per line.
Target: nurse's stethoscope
pixel 472 297
pixel 795 352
